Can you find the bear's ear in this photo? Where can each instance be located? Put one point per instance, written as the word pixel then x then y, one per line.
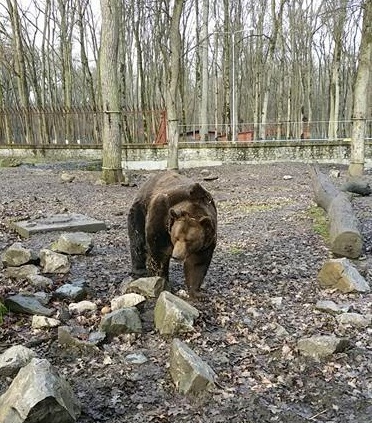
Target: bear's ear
pixel 197 192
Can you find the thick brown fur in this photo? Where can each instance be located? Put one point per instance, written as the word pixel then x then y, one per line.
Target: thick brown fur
pixel 172 216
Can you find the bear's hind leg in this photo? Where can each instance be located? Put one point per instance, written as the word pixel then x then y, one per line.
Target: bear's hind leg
pixel 137 239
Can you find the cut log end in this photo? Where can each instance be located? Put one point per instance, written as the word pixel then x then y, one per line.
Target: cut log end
pixel 347 244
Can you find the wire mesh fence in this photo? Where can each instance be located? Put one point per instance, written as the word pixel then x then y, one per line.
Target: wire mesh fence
pixel 83 126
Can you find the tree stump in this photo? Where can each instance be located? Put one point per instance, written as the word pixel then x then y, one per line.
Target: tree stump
pixel 345 237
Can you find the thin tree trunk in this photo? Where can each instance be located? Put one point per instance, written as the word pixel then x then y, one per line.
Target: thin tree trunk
pixel 361 94
pixel 111 149
pixel 205 80
pixel 172 88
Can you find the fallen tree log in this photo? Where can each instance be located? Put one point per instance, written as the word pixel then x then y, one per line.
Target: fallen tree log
pixel 344 235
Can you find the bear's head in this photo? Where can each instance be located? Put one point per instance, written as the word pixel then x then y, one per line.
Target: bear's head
pixel 189 234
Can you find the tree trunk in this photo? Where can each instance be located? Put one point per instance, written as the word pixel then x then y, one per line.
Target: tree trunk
pixel 361 94
pixel 111 148
pixel 172 88
pixel 205 81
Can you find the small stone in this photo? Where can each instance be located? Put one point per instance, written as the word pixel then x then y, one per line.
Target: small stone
pixel 136 358
pixel 74 336
pixel 354 319
pixel 40 282
pixel 127 300
pixel 331 307
pixel 148 287
pixel 53 262
pixel 321 346
pixel 42 322
pixel 106 309
pixel 67 177
pixel 82 307
pixel 276 301
pixel 14 358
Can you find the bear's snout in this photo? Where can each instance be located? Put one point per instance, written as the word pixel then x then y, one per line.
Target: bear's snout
pixel 179 252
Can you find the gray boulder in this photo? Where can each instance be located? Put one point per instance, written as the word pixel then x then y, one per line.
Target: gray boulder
pixel 124 320
pixel 14 358
pixel 173 315
pixel 70 292
pixel 17 255
pixel 189 372
pixel 73 243
pixel 39 395
pixel 28 304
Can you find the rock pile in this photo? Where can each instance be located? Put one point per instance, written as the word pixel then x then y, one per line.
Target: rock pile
pixel 172 316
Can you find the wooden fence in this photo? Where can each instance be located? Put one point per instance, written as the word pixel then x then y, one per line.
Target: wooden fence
pixel 82 126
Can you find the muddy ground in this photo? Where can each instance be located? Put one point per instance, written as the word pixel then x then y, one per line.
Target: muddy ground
pixel 270 244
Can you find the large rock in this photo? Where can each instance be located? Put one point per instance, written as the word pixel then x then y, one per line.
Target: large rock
pixel 17 254
pixel 173 315
pixel 189 372
pixel 29 304
pixel 321 346
pixel 342 275
pixel 148 287
pixel 70 292
pixel 39 395
pixel 73 243
pixel 124 320
pixel 53 262
pixel 14 358
pixel 22 272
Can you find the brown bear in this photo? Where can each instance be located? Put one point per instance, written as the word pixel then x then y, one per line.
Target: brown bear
pixel 172 217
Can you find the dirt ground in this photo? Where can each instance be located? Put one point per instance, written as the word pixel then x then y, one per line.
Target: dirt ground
pixel 269 246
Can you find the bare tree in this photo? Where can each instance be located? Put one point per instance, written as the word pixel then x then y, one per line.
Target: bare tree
pixel 172 85
pixel 204 73
pixel 111 153
pixel 362 88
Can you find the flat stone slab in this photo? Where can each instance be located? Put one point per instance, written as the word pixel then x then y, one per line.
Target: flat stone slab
pixel 70 222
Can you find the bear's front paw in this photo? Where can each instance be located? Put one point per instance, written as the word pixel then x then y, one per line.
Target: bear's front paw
pixel 197 295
